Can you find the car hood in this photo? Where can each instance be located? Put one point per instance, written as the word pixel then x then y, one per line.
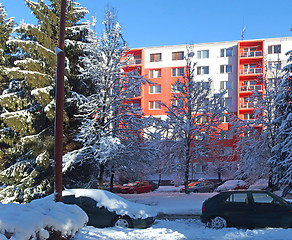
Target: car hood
pixel 114 203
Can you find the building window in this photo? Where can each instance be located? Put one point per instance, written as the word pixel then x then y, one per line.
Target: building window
pixel 174 88
pixel 177 72
pixel 177 56
pixel 203 119
pixel 154 105
pixel 225 85
pixel 174 103
pixel 225 68
pixel 274 49
pixel 203 70
pixel 276 65
pixel 203 54
pixel 224 119
pixel 155 89
pixel 248 116
pixel 156 57
pixel 155 73
pixel 226 52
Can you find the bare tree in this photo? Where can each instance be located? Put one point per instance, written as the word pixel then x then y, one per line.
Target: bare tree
pixel 193 116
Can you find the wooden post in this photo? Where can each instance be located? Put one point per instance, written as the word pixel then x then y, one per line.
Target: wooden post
pixel 59 97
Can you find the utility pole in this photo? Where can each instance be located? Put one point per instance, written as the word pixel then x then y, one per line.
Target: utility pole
pixel 59 97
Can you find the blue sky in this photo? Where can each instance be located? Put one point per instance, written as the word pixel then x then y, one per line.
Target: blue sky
pixel 149 23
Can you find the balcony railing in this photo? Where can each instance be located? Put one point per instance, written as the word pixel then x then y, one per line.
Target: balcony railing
pixel 251 54
pixel 247 105
pixel 247 71
pixel 251 88
pixel 134 61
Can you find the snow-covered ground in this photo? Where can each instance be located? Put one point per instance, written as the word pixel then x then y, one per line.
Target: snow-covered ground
pixel 169 200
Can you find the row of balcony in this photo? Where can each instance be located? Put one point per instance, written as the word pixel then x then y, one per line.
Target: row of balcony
pixel 251 54
pixel 249 105
pixel 247 71
pixel 251 88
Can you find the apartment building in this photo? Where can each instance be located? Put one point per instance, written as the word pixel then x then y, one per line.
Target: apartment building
pixel 237 66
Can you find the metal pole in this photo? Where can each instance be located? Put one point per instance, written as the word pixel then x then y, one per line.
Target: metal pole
pixel 59 97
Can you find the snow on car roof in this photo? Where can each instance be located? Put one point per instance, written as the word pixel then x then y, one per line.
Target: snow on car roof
pixel 230 184
pixel 114 203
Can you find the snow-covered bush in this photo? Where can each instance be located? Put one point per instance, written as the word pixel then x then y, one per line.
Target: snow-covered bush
pixel 40 219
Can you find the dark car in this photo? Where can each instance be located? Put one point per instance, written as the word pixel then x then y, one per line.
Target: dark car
pixel 137 187
pixel 247 209
pixel 106 209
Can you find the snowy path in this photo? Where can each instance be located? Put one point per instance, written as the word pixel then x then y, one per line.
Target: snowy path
pixel 182 229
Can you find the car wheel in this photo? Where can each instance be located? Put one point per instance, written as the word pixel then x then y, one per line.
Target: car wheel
pixel 196 191
pixel 217 223
pixel 135 191
pixel 123 222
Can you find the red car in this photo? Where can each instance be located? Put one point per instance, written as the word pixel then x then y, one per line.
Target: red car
pixel 137 187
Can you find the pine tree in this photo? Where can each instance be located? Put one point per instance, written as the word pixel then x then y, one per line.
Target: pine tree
pixel 281 160
pixel 6 26
pixel 28 102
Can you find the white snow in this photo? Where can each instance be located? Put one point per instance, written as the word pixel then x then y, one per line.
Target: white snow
pixel 114 203
pixel 231 184
pixel 34 219
pixel 43 212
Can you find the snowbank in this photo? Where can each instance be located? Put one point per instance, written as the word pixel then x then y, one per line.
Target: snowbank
pixel 36 219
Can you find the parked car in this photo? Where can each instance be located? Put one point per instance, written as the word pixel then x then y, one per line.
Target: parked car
pixel 232 185
pixel 190 185
pixel 137 187
pixel 246 208
pixel 201 186
pixel 106 209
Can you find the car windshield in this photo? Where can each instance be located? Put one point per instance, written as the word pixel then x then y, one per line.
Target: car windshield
pixel 131 184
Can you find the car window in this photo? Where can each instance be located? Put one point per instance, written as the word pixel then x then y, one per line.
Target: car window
pixel 237 198
pixel 88 202
pixel 262 198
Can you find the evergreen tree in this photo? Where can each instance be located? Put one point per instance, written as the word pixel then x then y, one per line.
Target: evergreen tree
pixel 281 160
pixel 6 26
pixel 28 102
pixel 109 120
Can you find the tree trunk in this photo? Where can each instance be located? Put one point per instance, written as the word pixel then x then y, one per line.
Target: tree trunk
pixel 186 183
pixel 112 181
pixel 219 175
pixel 100 177
pixel 159 179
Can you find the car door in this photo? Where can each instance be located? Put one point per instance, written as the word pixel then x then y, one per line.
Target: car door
pixel 268 211
pixel 236 209
pixel 98 216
